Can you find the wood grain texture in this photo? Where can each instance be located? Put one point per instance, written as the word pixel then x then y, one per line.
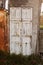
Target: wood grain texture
pixel 3 30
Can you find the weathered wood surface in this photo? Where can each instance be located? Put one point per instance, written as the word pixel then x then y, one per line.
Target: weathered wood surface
pixel 20 30
pixel 3 30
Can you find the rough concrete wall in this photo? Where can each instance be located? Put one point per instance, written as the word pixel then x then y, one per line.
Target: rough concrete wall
pixel 36 11
pixel 36 8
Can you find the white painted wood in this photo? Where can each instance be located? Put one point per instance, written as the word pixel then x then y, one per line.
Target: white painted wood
pixel 15 13
pixel 27 14
pixel 15 27
pixel 20 30
pixel 27 28
pixel 26 47
pixel 15 45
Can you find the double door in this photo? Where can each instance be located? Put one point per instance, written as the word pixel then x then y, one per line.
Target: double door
pixel 21 30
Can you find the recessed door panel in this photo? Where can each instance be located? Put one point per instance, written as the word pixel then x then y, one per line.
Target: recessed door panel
pixel 15 13
pixel 27 14
pixel 27 28
pixel 26 46
pixel 15 45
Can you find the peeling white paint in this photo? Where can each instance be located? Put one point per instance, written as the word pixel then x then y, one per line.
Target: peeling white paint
pixel 20 30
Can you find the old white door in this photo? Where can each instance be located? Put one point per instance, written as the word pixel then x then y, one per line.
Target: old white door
pixel 20 30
